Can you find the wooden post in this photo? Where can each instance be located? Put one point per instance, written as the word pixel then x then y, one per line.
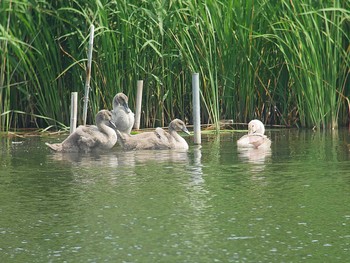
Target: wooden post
pixel 73 111
pixel 138 104
pixel 88 74
pixel 196 109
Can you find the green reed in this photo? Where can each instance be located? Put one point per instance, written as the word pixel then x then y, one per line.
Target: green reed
pixel 283 62
pixel 314 45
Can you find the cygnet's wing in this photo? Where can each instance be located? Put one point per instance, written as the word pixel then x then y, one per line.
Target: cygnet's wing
pixel 160 133
pixel 258 140
pixel 148 140
pixel 243 142
pixel 89 137
pixel 55 146
pixel 71 143
pixel 164 137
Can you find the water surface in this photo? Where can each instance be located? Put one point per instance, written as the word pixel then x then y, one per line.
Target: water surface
pixel 210 204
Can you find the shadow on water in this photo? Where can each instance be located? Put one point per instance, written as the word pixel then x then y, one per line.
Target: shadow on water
pixel 211 203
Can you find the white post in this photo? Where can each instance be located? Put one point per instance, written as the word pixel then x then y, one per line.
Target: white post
pixel 73 111
pixel 138 104
pixel 88 74
pixel 196 109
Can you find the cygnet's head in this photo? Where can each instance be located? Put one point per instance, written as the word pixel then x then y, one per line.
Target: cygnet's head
pixel 178 125
pixel 104 116
pixel 256 126
pixel 121 99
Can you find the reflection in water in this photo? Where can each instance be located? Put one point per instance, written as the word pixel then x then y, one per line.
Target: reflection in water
pixel 198 206
pixel 118 166
pixel 159 156
pixel 196 169
pixel 253 155
pixel 199 224
pixel 258 157
pixel 122 158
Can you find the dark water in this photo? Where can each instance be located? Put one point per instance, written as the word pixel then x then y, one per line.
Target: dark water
pixel 210 204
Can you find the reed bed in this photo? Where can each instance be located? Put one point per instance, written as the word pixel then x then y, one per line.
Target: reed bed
pixel 284 62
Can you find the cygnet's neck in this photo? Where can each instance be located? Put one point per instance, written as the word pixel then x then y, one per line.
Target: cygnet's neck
pixel 176 136
pixel 104 128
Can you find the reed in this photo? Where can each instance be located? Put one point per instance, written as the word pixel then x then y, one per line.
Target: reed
pixel 285 63
pixel 312 42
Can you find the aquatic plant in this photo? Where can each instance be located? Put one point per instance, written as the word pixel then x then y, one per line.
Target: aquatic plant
pixel 285 63
pixel 314 44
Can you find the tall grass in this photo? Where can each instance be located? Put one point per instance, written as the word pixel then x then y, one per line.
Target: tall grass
pixel 280 61
pixel 314 44
pixel 31 61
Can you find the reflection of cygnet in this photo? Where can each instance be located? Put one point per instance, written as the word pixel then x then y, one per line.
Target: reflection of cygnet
pixel 255 137
pixel 253 155
pixel 158 139
pixel 89 138
pixel 122 117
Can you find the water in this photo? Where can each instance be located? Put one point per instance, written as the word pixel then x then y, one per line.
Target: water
pixel 211 204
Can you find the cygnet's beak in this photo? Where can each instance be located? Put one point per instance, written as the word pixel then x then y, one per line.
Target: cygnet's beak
pixel 184 129
pixel 251 131
pixel 126 107
pixel 112 124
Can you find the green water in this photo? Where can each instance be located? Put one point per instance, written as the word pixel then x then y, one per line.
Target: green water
pixel 210 204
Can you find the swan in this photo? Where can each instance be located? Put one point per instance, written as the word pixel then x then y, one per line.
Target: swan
pixel 122 117
pixel 89 138
pixel 255 137
pixel 158 139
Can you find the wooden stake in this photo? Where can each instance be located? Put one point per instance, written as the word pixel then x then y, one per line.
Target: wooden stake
pixel 138 104
pixel 73 111
pixel 88 74
pixel 196 109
